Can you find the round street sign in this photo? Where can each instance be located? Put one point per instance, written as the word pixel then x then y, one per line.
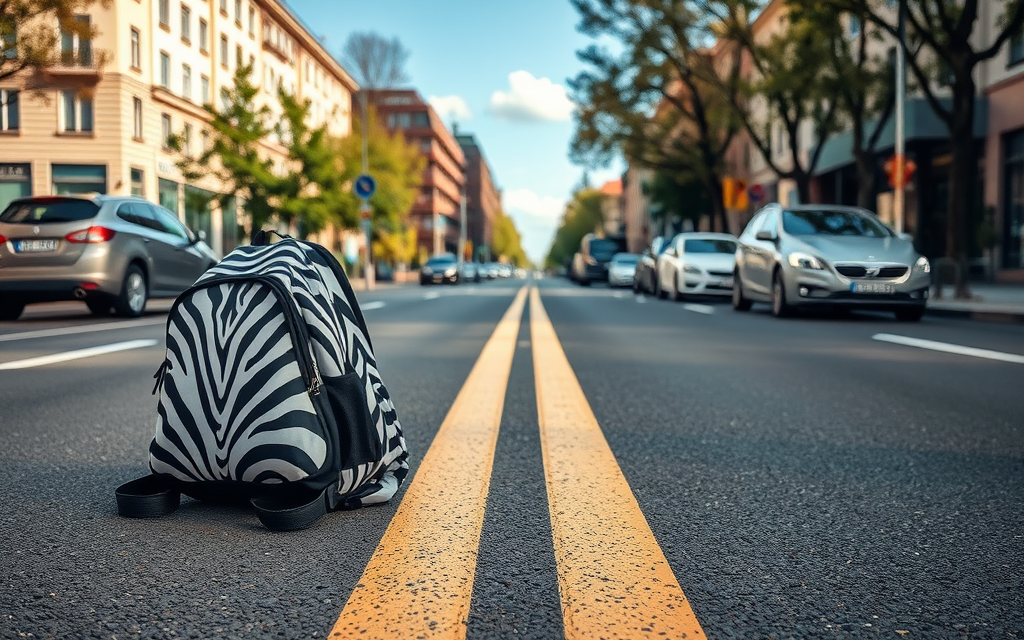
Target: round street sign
pixel 365 186
pixel 756 192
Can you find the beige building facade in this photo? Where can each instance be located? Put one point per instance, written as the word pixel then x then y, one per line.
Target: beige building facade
pixel 100 120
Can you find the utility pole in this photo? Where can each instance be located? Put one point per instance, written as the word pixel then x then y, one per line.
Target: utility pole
pixel 899 198
pixel 462 229
pixel 366 212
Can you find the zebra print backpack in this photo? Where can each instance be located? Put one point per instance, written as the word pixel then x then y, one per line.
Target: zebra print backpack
pixel 270 392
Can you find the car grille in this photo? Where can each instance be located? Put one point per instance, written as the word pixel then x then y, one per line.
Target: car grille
pixel 857 271
pixel 721 274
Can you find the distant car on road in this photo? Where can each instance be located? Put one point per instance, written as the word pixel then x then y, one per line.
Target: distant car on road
pixel 621 269
pixel 440 269
pixel 590 264
pixel 645 279
pixel 112 252
pixel 697 263
pixel 828 255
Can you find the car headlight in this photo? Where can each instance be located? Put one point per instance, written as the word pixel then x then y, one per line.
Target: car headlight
pixel 449 271
pixel 922 265
pixel 804 261
pixel 689 268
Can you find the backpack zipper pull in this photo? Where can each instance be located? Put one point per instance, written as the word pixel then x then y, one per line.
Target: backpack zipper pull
pixel 160 374
pixel 314 386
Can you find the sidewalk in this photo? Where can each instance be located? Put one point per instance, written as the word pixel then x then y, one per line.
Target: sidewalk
pixel 991 302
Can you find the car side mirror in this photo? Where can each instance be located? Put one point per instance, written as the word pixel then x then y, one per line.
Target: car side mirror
pixel 906 236
pixel 670 252
pixel 765 235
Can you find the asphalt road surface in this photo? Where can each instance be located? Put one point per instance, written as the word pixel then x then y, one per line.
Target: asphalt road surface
pixel 816 477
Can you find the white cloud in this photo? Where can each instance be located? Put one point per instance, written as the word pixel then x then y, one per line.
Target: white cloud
pixel 450 107
pixel 530 203
pixel 536 218
pixel 531 99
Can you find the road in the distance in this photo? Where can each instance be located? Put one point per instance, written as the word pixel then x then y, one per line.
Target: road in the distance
pixel 803 478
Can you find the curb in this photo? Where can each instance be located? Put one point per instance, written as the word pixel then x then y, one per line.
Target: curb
pixel 1001 317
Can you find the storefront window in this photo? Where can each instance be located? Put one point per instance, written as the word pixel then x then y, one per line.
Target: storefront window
pixel 168 194
pixel 198 205
pixel 69 179
pixel 138 182
pixel 1013 216
pixel 15 182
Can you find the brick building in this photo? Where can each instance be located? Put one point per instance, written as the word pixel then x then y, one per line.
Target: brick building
pixel 483 199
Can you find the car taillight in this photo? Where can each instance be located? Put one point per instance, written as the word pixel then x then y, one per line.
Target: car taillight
pixel 91 235
pixel 3 239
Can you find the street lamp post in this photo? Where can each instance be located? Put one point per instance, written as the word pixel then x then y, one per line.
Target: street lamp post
pixel 366 212
pixel 899 198
pixel 462 228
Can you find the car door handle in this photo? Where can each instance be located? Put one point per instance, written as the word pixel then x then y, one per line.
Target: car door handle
pixel 146 240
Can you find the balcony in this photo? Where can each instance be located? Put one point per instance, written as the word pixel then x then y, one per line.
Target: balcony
pixel 80 65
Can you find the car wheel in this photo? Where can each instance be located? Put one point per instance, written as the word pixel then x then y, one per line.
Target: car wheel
pixel 132 300
pixel 11 309
pixel 780 308
pixel 910 314
pixel 739 303
pixel 99 306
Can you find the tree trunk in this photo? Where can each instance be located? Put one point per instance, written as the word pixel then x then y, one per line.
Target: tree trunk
pixel 803 186
pixel 865 180
pixel 714 186
pixel 962 175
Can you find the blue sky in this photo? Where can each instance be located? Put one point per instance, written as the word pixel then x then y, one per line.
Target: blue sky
pixel 503 67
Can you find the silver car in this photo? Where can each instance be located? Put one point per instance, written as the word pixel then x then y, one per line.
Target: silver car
pixel 828 255
pixel 112 252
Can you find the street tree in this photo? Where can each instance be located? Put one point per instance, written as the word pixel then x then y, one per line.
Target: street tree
pixel 29 42
pixel 507 243
pixel 397 247
pixel 662 97
pixel 234 154
pixel 944 51
pixel 582 215
pixel 375 61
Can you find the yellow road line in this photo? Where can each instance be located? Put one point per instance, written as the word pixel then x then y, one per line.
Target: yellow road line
pixel 419 582
pixel 613 577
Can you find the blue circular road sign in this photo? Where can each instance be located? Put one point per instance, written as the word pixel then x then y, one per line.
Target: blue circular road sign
pixel 365 186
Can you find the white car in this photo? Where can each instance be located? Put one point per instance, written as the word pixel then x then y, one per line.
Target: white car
pixel 621 269
pixel 697 263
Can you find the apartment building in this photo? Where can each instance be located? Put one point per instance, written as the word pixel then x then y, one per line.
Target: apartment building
pixel 106 112
pixel 435 212
pixel 483 199
pixel 636 208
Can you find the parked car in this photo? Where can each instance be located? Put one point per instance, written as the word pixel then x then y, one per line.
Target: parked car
pixel 697 263
pixel 469 272
pixel 644 279
pixel 590 264
pixel 440 269
pixel 621 269
pixel 112 252
pixel 827 255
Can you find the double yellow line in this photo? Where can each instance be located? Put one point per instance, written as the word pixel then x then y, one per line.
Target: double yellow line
pixel 613 578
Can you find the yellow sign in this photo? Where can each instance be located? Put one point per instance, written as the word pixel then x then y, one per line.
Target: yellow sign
pixel 734 193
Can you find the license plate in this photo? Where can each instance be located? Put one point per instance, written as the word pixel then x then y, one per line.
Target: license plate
pixel 35 246
pixel 727 282
pixel 873 287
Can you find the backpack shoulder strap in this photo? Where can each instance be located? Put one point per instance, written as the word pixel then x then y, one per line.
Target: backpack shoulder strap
pixel 146 497
pixel 280 514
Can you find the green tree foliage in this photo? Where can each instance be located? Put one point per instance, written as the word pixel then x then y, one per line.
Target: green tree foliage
pixel 396 247
pixel 583 215
pixel 507 243
pixel 234 155
pixel 28 39
pixel 659 99
pixel 396 164
pixel 673 201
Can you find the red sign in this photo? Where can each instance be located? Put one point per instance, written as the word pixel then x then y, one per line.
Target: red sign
pixel 899 178
pixel 756 192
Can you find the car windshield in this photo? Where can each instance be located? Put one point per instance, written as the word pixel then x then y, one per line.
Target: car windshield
pixel 833 223
pixel 440 262
pixel 49 211
pixel 709 245
pixel 626 258
pixel 603 250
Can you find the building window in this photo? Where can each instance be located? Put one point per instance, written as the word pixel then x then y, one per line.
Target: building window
pixel 165 13
pixel 138 179
pixel 1013 207
pixel 854 26
pixel 204 88
pixel 69 179
pixel 9 43
pixel 204 139
pixel 186 138
pixel 9 116
pixel 186 81
pixel 165 130
pixel 76 112
pixel 252 21
pixel 167 195
pixel 1017 47
pixel 204 36
pixel 224 51
pixel 225 100
pixel 224 7
pixel 74 49
pixel 137 118
pixel 238 12
pixel 238 55
pixel 136 49
pixel 186 24
pixel 165 70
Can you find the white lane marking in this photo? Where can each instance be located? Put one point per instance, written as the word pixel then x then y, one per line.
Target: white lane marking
pixel 621 294
pixel 371 305
pixel 89 328
pixel 641 298
pixel 77 355
pixel 431 295
pixel 949 348
pixel 700 308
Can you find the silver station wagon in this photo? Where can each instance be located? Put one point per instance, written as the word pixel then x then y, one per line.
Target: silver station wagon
pixel 827 255
pixel 112 252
